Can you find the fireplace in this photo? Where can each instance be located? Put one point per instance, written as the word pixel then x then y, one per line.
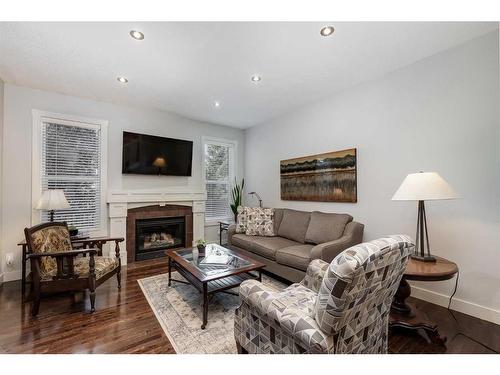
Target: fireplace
pixel 154 236
pixel 151 230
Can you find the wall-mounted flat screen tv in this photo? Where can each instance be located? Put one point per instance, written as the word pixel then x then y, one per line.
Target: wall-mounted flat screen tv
pixel 148 154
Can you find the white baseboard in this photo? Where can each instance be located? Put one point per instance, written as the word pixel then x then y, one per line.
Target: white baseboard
pixel 12 275
pixel 469 308
pixel 1 278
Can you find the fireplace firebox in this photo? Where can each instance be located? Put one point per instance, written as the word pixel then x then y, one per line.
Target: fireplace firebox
pixel 154 236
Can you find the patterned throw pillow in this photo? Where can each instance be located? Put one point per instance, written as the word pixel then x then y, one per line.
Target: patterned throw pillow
pixel 260 221
pixel 242 220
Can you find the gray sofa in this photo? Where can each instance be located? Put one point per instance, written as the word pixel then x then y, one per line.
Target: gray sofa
pixel 300 238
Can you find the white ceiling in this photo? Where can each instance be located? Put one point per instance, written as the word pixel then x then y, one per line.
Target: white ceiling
pixel 184 67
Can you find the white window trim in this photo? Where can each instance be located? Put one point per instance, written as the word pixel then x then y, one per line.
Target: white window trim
pixel 232 172
pixel 36 181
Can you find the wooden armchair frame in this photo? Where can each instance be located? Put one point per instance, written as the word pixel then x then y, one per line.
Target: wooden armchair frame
pixel 65 279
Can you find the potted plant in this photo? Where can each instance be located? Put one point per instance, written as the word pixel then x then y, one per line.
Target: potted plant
pixel 73 231
pixel 200 244
pixel 237 196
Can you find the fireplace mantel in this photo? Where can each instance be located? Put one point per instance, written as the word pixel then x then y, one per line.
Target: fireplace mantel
pixel 120 201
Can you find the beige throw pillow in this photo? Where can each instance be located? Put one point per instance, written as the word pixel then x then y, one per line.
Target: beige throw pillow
pixel 260 221
pixel 241 220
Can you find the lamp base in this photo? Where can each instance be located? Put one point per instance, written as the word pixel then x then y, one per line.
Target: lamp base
pixel 426 258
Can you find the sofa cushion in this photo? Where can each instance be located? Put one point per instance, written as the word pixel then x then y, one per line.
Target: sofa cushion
pixel 278 216
pixel 294 225
pixel 324 227
pixel 243 241
pixel 298 256
pixel 260 221
pixel 267 246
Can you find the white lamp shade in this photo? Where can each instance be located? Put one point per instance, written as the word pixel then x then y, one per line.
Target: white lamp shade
pixel 53 200
pixel 423 187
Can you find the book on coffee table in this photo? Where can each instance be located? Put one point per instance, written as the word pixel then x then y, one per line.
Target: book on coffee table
pixel 222 259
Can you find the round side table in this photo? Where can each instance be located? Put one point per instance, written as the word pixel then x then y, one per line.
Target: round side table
pixel 403 314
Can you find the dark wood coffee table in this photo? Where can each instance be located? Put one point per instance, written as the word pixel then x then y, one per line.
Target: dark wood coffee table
pixel 211 278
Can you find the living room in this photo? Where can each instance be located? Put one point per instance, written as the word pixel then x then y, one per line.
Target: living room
pixel 250 187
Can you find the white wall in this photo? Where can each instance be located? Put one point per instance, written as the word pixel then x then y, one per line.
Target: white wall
pixel 439 114
pixel 1 142
pixel 19 102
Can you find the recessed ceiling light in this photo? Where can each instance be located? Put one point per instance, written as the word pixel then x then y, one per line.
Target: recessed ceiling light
pixel 137 35
pixel 122 79
pixel 327 30
pixel 256 78
pixel 217 104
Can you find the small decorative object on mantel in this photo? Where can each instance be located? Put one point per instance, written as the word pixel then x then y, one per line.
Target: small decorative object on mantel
pixel 237 196
pixel 423 187
pixel 329 177
pixel 52 200
pixel 200 244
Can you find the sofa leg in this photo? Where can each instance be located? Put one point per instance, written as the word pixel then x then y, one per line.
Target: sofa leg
pixel 241 350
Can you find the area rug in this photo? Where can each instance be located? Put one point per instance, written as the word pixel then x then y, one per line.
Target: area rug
pixel 178 309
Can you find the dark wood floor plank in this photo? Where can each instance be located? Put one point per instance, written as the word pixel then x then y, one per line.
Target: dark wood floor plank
pixel 125 323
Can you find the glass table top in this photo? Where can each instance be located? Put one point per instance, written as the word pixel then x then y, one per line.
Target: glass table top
pixel 215 259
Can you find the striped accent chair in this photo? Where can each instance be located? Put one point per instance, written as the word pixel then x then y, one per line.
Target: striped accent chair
pixel 339 307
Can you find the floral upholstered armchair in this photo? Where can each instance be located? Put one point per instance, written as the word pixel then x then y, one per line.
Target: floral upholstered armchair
pixel 57 267
pixel 339 307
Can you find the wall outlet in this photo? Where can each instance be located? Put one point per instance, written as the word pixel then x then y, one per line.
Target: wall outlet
pixel 9 259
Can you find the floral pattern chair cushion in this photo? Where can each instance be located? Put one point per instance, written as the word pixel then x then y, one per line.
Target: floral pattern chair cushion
pixel 52 239
pixel 103 265
pixel 341 307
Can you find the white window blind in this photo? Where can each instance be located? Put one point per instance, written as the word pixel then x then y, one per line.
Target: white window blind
pixel 71 160
pixel 219 174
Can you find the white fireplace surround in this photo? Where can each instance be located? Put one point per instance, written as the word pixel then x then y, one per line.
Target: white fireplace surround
pixel 120 201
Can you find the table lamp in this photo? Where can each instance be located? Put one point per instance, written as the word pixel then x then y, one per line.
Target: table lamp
pixel 422 187
pixel 52 200
pixel 160 163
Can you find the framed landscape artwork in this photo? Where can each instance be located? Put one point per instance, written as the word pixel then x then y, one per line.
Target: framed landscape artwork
pixel 329 177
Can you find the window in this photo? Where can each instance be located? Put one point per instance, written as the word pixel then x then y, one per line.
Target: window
pixel 218 169
pixel 70 157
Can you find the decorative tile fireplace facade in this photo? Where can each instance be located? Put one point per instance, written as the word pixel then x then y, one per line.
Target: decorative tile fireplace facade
pixel 174 202
pixel 153 229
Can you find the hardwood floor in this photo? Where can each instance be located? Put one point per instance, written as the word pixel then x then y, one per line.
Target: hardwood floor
pixel 124 323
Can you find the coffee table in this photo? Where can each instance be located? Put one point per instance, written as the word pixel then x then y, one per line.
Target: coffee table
pixel 212 270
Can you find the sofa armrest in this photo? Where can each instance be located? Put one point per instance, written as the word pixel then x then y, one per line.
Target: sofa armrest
pixel 314 274
pixel 353 235
pixel 231 231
